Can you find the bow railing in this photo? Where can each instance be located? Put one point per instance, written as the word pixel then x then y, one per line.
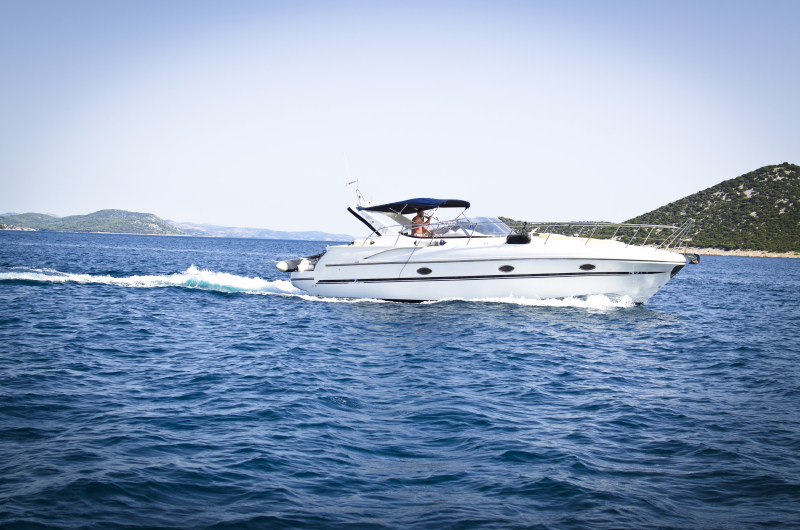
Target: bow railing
pixel 656 236
pixel 648 235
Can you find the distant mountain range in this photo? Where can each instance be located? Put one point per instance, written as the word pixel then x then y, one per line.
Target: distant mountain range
pixel 756 211
pixel 124 222
pixel 113 221
pixel 196 229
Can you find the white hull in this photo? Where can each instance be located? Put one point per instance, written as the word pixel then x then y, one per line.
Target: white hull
pixel 405 268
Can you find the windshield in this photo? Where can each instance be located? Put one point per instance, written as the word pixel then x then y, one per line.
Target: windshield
pixel 471 227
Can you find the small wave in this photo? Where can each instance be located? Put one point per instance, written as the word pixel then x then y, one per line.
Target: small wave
pixel 314 298
pixel 597 301
pixel 192 278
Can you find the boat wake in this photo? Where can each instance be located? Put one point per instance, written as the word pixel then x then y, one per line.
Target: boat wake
pixel 192 278
pixel 598 301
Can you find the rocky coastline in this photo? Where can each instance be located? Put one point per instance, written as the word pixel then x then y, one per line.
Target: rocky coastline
pixel 745 253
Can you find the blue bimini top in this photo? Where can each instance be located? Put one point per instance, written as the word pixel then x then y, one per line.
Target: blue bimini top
pixel 412 205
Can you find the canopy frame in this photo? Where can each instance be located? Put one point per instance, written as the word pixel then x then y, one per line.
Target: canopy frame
pixel 412 205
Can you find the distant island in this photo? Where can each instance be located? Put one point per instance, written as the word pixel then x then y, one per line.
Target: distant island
pixel 111 221
pixel 755 212
pixel 124 222
pixel 196 229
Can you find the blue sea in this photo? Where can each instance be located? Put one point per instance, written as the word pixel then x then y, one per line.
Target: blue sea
pixel 170 382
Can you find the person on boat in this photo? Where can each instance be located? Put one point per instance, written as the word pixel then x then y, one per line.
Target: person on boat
pixel 419 224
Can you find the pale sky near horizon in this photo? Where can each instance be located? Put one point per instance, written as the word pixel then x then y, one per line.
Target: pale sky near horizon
pixel 241 113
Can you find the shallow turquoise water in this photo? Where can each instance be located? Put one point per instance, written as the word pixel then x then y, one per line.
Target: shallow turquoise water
pixel 181 382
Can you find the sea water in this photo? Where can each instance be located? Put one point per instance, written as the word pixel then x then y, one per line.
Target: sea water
pixel 184 382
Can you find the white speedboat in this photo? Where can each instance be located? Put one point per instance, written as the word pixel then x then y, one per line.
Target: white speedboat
pixel 483 257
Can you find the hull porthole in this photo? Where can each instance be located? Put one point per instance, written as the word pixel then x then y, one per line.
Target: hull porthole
pixel 587 267
pixel 505 268
pixel 424 270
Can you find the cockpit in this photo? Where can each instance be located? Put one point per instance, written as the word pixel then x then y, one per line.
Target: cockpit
pixel 467 227
pixel 395 219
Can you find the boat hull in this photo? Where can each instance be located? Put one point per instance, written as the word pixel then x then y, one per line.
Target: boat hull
pixel 559 270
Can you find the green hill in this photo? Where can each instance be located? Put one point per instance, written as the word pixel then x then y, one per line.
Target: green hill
pixel 27 220
pixel 111 221
pixel 756 211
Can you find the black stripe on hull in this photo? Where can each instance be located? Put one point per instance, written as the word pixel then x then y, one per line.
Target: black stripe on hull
pixel 486 277
pixel 475 260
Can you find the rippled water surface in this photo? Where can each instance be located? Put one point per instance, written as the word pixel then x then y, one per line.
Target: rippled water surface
pixel 182 382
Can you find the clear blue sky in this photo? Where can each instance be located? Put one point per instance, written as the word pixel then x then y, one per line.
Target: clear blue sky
pixel 240 113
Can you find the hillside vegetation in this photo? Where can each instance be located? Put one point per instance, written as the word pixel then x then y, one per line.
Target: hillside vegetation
pixel 111 221
pixel 756 211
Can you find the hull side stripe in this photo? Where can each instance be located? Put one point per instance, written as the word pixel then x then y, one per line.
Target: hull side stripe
pixel 486 277
pixel 448 262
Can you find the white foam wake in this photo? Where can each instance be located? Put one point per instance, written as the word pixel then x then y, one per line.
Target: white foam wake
pixel 597 301
pixel 192 278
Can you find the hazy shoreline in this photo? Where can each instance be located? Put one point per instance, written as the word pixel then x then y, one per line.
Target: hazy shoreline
pixel 745 253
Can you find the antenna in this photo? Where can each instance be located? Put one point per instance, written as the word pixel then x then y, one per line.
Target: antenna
pixel 359 197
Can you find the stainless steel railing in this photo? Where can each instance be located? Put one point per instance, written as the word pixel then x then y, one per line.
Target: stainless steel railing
pixel 657 236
